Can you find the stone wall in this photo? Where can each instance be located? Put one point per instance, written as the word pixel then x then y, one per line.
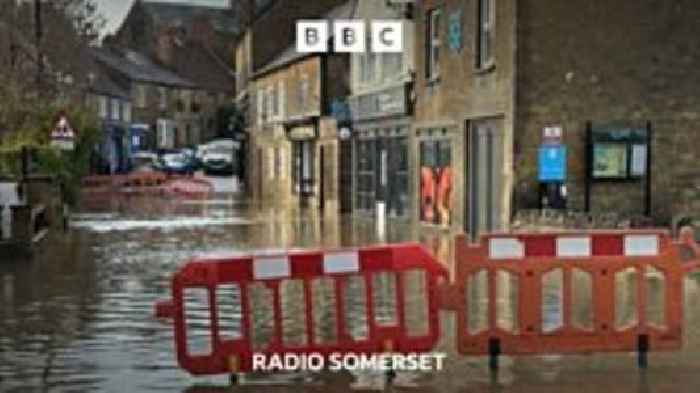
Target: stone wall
pixel 620 60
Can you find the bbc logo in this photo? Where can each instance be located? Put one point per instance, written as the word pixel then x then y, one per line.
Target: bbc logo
pixel 349 36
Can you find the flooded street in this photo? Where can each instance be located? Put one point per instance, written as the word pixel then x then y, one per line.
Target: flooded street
pixel 80 318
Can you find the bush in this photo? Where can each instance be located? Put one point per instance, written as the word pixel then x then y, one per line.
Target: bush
pixel 68 167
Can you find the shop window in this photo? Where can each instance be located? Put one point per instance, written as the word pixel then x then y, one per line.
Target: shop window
pixel 365 175
pixel 436 182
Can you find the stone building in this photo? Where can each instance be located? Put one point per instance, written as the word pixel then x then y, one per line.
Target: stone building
pixel 156 96
pixel 619 69
pixel 381 109
pixel 493 76
pixel 260 45
pixel 194 42
pixel 464 113
pixel 294 140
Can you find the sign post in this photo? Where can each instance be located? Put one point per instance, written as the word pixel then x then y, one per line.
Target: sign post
pixel 551 168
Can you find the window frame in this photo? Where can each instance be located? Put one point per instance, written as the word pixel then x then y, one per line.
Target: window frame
pixel 433 42
pixel 486 31
pixel 103 104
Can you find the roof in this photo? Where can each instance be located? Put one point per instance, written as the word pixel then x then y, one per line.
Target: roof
pixel 290 55
pixel 202 66
pixel 138 67
pixel 105 85
pixel 223 20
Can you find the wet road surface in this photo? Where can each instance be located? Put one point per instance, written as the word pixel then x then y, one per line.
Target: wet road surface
pixel 80 317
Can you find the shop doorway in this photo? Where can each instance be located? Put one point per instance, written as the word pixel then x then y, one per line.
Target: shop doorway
pixel 303 174
pixel 484 177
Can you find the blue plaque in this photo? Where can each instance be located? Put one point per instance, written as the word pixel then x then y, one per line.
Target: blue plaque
pixel 552 163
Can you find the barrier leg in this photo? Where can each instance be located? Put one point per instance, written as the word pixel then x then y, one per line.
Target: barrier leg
pixel 233 379
pixel 390 376
pixel 643 351
pixel 494 352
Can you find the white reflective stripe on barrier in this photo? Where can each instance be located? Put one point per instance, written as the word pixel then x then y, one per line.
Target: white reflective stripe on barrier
pixel 271 267
pixel 506 248
pixel 341 262
pixel 573 247
pixel 641 245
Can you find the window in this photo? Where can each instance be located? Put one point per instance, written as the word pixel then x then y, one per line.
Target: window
pixel 162 98
pixel 432 45
pixel 126 115
pixel 115 109
pixel 303 93
pixel 392 65
pixel 261 106
pixel 273 107
pixel 485 33
pixel 281 102
pixel 103 107
pixel 141 96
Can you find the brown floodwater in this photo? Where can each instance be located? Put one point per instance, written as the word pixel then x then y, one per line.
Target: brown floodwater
pixel 79 317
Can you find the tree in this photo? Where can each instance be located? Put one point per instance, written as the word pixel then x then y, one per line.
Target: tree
pixel 229 121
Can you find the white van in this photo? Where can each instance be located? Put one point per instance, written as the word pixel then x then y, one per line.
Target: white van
pixel 219 156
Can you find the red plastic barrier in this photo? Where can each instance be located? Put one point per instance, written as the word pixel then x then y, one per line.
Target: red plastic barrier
pixel 362 301
pixel 190 187
pixel 569 293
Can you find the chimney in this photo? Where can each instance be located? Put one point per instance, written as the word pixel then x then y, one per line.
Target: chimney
pixel 202 30
pixel 165 40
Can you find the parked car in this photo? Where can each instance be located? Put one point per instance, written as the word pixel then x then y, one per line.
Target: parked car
pixel 144 161
pixel 176 162
pixel 219 157
pixel 191 155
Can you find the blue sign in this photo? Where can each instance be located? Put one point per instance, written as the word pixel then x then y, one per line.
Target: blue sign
pixel 454 31
pixel 552 163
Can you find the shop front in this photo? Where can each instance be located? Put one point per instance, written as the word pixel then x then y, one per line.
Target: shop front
pixel 380 129
pixel 304 179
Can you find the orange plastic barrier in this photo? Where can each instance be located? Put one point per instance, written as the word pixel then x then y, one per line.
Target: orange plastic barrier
pixel 361 301
pixel 523 294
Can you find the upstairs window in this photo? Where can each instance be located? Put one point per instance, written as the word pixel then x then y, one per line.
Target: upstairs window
pixel 487 20
pixel 162 98
pixel 141 96
pixel 103 107
pixel 115 113
pixel 126 115
pixel 432 45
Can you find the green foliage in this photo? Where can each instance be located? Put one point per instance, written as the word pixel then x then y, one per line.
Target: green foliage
pixel 229 120
pixel 66 166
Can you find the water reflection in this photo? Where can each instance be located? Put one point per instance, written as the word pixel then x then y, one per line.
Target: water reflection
pixel 80 317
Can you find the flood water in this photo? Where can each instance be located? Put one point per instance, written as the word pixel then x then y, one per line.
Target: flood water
pixel 79 318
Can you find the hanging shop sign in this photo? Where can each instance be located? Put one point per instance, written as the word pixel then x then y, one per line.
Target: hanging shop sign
pixel 63 136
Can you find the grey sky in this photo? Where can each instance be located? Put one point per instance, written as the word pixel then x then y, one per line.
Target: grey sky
pixel 115 10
